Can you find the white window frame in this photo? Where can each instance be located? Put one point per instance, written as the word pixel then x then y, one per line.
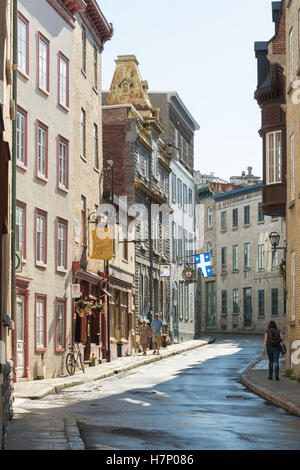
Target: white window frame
pixel 293 186
pixel 277 159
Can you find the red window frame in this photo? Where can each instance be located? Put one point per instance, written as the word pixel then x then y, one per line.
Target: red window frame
pixel 25 115
pixel 40 124
pixel 45 215
pixel 65 222
pixel 41 37
pixel 61 139
pixel 22 205
pixel 26 22
pixel 64 302
pixel 61 56
pixel 44 298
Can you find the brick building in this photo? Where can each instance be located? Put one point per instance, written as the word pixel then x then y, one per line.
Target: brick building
pixel 278 96
pixel 132 130
pixel 86 176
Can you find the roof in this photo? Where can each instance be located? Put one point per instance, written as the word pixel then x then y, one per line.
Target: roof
pixel 238 192
pixel 174 99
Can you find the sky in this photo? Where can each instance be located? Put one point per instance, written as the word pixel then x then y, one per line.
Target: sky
pixel 204 50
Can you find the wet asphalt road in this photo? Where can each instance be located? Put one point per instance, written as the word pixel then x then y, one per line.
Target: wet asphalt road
pixel 193 401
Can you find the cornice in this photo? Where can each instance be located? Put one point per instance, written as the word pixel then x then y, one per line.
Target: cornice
pixel 67 9
pixel 97 23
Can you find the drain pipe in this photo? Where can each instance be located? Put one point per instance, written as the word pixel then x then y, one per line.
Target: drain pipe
pixel 14 159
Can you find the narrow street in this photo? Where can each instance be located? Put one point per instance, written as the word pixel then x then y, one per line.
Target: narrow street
pixel 191 401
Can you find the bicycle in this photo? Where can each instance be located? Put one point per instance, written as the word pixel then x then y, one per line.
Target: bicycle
pixel 74 359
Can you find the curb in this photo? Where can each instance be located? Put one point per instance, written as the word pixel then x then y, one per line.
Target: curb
pixel 277 400
pixel 54 389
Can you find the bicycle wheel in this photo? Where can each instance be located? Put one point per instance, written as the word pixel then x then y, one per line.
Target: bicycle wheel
pixel 70 363
pixel 81 362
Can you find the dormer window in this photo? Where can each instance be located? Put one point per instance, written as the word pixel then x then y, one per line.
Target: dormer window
pixel 274 157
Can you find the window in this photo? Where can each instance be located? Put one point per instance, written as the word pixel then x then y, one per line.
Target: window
pixel 180 245
pixel 210 250
pixel 181 148
pixel 42 150
pixel 210 217
pixel 40 322
pixel 261 303
pixel 224 259
pixel 95 68
pixel 21 137
pixel 274 301
pixel 275 259
pixel 62 244
pixel 179 192
pixel 83 43
pixel 43 58
pixel 23 44
pixel 63 80
pixel 63 163
pixel 291 39
pixel 155 169
pixel 235 218
pixel 124 249
pixel 40 237
pixel 174 187
pixel 293 167
pixel 274 152
pixel 191 202
pixel 261 217
pixel 223 220
pixel 224 302
pixel 83 132
pixel 185 198
pixel 60 325
pixel 141 294
pixel 261 257
pixel 83 221
pixel 247 215
pixel 174 241
pixel 96 147
pixel 176 137
pixel 235 301
pixel 247 256
pixel 235 258
pixel 21 228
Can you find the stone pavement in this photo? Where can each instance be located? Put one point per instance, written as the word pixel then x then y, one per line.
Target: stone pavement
pixel 285 393
pixel 32 430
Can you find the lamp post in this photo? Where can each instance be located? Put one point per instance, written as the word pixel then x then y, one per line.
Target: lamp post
pixel 274 238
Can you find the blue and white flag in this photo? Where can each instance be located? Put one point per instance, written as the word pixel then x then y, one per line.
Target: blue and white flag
pixel 203 262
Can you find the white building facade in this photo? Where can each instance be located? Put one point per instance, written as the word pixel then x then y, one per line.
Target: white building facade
pixel 182 230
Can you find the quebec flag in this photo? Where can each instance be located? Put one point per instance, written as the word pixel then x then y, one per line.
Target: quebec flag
pixel 203 262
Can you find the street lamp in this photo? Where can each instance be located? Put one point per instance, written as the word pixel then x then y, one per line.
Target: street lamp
pixel 275 239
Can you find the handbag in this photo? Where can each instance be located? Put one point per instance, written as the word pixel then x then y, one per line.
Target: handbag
pixel 283 349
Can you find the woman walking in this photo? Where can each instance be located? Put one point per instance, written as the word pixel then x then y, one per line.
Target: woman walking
pixel 273 339
pixel 144 329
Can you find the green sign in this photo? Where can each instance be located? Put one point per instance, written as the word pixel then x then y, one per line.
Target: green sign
pixel 188 274
pixel 18 265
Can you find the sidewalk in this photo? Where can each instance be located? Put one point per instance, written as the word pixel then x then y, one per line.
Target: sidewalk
pixel 285 393
pixel 38 389
pixel 34 430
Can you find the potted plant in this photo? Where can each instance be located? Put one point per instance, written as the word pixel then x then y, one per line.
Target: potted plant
pixel 81 306
pixel 282 270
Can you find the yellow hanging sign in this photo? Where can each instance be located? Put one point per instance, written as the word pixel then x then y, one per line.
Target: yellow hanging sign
pixel 102 244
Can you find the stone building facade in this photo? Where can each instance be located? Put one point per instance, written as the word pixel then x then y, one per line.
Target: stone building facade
pixel 179 130
pixel 246 290
pixel 132 130
pixel 89 36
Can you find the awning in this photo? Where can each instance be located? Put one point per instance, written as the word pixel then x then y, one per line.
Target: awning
pixel 83 275
pixel 105 292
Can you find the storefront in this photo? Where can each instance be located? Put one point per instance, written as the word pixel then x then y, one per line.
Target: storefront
pixel 90 314
pixel 122 313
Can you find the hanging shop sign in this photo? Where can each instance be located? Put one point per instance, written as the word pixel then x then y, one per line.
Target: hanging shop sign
pixel 188 274
pixel 102 244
